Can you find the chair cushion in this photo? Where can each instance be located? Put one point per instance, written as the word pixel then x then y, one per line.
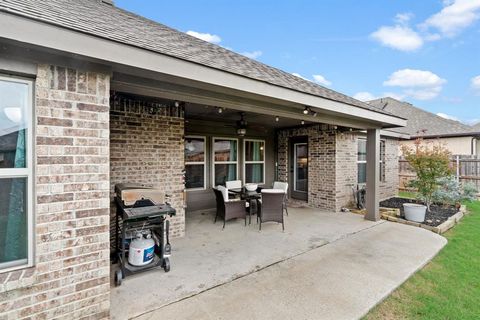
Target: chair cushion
pixel 234 184
pixel 224 192
pixel 280 185
pixel 272 191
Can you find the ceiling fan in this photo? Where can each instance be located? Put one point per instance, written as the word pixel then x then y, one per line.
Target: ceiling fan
pixel 242 125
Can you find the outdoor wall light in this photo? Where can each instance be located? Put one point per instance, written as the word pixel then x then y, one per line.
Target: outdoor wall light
pixel 306 110
pixel 220 110
pixel 303 122
pixel 277 118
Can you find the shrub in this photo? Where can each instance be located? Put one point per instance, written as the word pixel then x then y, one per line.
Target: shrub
pixel 452 192
pixel 430 163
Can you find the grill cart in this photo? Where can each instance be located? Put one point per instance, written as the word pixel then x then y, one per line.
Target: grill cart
pixel 137 217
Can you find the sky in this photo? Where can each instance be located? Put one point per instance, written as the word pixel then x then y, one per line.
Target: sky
pixel 424 52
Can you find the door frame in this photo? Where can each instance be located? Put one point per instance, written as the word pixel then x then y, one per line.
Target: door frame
pixel 299 195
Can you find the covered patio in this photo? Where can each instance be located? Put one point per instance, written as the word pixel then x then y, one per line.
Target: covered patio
pixel 208 256
pixel 363 260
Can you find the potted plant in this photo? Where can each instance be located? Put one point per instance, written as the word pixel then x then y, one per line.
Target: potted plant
pixel 430 162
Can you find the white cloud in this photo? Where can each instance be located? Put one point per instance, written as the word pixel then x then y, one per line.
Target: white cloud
pixel 403 18
pixel 399 37
pixel 213 38
pixel 321 80
pixel 475 83
pixel 454 17
pixel 413 78
pixel 447 116
pixel 253 54
pixel 364 96
pixel 418 84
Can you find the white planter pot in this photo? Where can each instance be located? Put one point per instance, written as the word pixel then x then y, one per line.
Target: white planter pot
pixel 414 212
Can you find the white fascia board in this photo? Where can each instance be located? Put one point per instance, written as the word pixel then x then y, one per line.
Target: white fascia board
pixel 393 134
pixel 49 36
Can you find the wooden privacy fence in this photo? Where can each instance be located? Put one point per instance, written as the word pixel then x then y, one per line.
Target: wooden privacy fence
pixel 466 169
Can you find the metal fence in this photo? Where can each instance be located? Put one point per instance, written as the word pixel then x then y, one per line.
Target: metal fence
pixel 467 169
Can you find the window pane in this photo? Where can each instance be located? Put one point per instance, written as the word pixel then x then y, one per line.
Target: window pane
pixel 13 124
pixel 301 167
pixel 194 176
pixel 194 150
pixel 225 150
pixel 254 173
pixel 362 150
pixel 362 173
pixel 13 221
pixel 254 150
pixel 225 172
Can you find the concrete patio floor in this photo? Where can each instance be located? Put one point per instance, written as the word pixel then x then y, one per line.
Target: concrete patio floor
pixel 324 266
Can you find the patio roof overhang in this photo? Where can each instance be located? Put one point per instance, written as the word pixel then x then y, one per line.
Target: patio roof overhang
pixel 142 71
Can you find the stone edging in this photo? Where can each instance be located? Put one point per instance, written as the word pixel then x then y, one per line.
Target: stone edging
pixel 445 226
pixel 393 215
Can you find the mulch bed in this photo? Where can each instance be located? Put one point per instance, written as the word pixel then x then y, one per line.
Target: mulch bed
pixel 438 214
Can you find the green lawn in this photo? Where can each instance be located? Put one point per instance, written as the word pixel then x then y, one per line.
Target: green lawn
pixel 406 194
pixel 449 286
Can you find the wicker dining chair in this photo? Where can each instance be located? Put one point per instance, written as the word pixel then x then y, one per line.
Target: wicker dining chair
pixel 282 186
pixel 271 207
pixel 226 209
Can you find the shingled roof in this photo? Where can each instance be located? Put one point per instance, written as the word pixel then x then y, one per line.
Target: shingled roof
pixel 477 127
pixel 97 18
pixel 421 123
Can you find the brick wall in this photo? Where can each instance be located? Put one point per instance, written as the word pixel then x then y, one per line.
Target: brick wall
pixel 333 165
pixel 346 168
pixel 321 159
pixel 389 187
pixel 70 279
pixel 147 147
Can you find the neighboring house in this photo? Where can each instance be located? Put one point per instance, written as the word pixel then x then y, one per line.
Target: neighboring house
pixel 459 138
pixel 92 95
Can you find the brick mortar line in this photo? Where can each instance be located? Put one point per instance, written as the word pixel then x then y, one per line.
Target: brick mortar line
pixel 62 305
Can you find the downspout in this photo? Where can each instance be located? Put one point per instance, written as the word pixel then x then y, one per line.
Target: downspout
pixel 474 146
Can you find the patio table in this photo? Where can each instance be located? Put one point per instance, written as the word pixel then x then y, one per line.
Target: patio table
pixel 251 197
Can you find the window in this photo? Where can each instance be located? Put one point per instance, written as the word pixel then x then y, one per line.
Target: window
pixel 195 163
pixel 254 157
pixel 225 160
pixel 382 160
pixel 16 205
pixel 362 160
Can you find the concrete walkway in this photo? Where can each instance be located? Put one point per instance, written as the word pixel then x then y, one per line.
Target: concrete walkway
pixel 339 274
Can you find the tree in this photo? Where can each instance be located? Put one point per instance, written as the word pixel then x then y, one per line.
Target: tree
pixel 431 162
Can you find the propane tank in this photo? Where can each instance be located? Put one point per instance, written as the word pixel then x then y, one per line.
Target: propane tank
pixel 141 250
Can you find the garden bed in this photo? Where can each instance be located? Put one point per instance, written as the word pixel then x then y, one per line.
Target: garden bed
pixel 438 213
